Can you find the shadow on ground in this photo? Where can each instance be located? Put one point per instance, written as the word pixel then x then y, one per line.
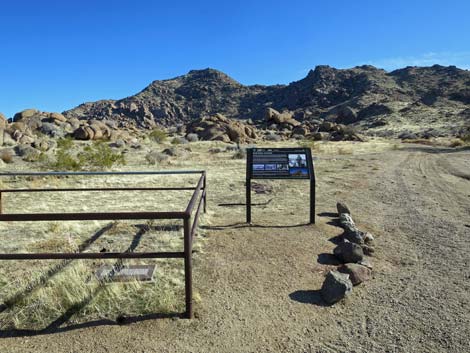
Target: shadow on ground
pixel 308 297
pixel 57 325
pixel 328 259
pixel 103 322
pixel 246 225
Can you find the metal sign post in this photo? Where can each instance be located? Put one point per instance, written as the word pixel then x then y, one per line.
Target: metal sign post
pixel 279 163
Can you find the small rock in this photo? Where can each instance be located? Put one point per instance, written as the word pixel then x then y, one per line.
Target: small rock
pixel 368 238
pixel 342 208
pixel 335 287
pixel 357 273
pixel 347 222
pixel 365 263
pixel 368 250
pixel 349 252
pixel 354 236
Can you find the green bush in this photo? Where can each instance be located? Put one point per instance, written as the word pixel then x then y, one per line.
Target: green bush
pixel 93 157
pixel 99 156
pixel 158 135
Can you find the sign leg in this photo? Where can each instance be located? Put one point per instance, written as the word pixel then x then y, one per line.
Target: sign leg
pixel 248 201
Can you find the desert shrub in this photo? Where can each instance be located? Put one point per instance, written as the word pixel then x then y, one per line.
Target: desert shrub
pixel 215 150
pixel 192 137
pixel 456 143
pixel 99 155
pixel 158 135
pixel 240 154
pixel 179 141
pixel 95 156
pixel 154 157
pixel 6 155
pixel 465 138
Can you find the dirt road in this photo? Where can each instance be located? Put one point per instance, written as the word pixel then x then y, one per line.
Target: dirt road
pixel 259 285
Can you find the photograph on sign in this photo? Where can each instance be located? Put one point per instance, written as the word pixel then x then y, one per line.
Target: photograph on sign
pixel 298 164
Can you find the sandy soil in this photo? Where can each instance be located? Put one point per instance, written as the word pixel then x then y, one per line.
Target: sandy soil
pixel 259 285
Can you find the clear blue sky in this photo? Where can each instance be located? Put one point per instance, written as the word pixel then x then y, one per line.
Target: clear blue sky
pixel 55 55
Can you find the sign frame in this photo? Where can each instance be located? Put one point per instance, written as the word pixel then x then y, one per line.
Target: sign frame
pixel 250 174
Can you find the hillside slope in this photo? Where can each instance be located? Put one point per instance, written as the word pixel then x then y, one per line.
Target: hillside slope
pixel 366 96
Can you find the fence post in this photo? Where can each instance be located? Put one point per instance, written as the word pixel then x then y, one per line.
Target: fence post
pixel 204 185
pixel 188 267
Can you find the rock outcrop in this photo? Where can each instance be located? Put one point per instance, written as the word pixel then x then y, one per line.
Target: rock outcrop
pixel 220 128
pixel 365 96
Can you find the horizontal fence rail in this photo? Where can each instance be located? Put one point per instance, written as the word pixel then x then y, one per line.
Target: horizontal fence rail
pixel 198 197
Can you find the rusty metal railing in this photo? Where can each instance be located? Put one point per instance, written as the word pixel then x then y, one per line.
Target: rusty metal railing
pixel 198 197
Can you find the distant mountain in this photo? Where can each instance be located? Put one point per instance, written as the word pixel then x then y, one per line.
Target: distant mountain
pixel 362 95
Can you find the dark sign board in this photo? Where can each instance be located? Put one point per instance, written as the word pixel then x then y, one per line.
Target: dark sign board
pixel 279 163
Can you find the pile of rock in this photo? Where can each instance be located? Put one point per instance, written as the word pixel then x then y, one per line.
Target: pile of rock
pixel 351 252
pixel 286 126
pixel 220 128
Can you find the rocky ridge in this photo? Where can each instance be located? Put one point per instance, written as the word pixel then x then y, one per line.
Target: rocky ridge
pixel 412 98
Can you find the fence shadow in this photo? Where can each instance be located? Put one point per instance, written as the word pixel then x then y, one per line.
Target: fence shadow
pixel 56 325
pixel 120 321
pixel 51 272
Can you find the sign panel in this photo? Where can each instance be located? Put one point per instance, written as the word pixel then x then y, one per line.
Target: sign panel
pixel 279 163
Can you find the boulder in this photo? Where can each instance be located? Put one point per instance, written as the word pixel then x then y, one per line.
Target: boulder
pixel 25 114
pixel 3 123
pixel 343 208
pixel 280 118
pixel 52 130
pixel 28 153
pixel 326 126
pixel 300 130
pixel 220 128
pixel 346 115
pixel 336 287
pixel 84 133
pixel 357 273
pixel 57 117
pixel 349 252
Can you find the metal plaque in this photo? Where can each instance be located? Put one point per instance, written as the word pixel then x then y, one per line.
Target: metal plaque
pixel 126 274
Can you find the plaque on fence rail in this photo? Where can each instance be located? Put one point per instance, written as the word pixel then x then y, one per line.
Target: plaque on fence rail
pixel 126 274
pixel 279 163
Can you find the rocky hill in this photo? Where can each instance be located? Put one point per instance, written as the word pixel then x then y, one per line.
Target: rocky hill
pixel 413 98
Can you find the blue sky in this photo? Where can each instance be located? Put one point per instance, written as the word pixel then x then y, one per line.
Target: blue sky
pixel 55 55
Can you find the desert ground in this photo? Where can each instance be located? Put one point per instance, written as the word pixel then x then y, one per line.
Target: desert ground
pixel 257 287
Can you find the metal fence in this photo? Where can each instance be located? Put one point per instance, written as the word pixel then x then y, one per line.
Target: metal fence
pixel 198 198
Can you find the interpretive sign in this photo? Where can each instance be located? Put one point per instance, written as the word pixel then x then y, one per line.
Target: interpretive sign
pixel 279 163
